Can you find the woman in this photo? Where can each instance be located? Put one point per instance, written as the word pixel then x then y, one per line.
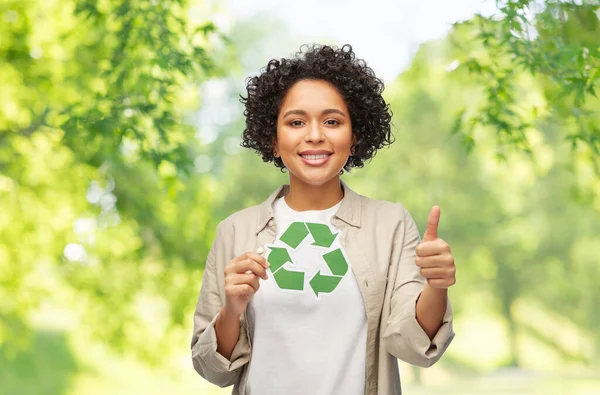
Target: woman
pixel 319 289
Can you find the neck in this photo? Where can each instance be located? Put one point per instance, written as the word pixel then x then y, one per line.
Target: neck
pixel 303 196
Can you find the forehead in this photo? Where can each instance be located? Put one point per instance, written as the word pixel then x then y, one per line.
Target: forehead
pixel 313 95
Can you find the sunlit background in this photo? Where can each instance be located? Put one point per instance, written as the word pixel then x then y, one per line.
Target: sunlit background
pixel 120 128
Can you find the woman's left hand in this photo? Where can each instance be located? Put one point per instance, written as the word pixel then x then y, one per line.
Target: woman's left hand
pixel 434 256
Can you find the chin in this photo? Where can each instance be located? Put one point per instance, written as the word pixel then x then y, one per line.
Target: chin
pixel 315 175
pixel 315 178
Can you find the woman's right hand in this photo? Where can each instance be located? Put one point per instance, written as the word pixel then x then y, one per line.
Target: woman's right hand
pixel 242 281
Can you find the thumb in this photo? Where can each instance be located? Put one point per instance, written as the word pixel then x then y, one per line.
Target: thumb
pixel 432 224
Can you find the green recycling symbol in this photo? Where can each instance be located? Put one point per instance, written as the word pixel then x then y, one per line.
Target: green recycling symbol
pixel 293 237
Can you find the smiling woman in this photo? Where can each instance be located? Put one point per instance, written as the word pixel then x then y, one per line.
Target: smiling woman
pixel 319 289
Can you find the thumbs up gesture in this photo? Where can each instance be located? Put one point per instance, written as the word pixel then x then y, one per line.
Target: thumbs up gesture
pixel 434 256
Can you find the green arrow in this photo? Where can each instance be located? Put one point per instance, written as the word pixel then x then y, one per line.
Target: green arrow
pixel 289 280
pixel 294 234
pixel 322 234
pixel 336 262
pixel 322 283
pixel 278 257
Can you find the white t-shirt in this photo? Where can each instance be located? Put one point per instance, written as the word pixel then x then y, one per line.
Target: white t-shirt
pixel 308 324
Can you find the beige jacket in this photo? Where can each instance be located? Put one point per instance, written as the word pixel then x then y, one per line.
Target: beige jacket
pixel 379 238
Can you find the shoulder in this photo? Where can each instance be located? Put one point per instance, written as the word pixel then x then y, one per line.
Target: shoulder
pixel 383 210
pixel 242 219
pixel 386 218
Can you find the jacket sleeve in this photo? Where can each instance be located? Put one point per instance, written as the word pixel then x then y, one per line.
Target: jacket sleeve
pixel 206 360
pixel 403 337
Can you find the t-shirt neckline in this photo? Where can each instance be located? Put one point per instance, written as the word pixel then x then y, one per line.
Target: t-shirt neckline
pixel 288 209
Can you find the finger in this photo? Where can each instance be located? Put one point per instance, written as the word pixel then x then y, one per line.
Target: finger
pixel 244 278
pixel 248 279
pixel 239 290
pixel 432 224
pixel 433 261
pixel 258 258
pixel 441 283
pixel 253 266
pixel 238 259
pixel 254 283
pixel 251 255
pixel 435 247
pixel 435 272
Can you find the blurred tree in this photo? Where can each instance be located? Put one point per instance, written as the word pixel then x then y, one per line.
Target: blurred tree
pixel 29 373
pixel 91 109
pixel 556 40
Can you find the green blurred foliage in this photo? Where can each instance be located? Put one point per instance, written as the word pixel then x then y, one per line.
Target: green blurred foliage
pixel 111 187
pixel 558 41
pixel 28 372
pixel 99 193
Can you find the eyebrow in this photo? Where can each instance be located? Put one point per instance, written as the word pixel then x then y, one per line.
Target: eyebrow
pixel 324 112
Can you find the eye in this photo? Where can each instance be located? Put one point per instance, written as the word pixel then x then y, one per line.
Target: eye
pixel 335 122
pixel 296 123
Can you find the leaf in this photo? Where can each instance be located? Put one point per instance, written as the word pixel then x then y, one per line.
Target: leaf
pixel 458 121
pixel 468 143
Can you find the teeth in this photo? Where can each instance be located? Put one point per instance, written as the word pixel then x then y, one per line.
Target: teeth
pixel 313 157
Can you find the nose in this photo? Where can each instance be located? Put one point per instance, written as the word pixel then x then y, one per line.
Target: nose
pixel 314 133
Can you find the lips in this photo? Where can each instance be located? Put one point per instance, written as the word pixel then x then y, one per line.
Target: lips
pixel 315 158
pixel 315 152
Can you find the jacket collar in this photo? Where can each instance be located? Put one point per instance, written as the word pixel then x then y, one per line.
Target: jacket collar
pixel 349 211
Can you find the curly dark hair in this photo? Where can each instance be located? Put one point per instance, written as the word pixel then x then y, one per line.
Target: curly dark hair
pixel 357 83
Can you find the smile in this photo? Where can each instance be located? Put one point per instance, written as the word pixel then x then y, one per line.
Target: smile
pixel 315 160
pixel 312 157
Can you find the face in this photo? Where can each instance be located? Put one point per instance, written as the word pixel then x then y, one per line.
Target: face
pixel 314 132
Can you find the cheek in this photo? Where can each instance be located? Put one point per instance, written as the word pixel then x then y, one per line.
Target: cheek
pixel 286 146
pixel 283 140
pixel 345 142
